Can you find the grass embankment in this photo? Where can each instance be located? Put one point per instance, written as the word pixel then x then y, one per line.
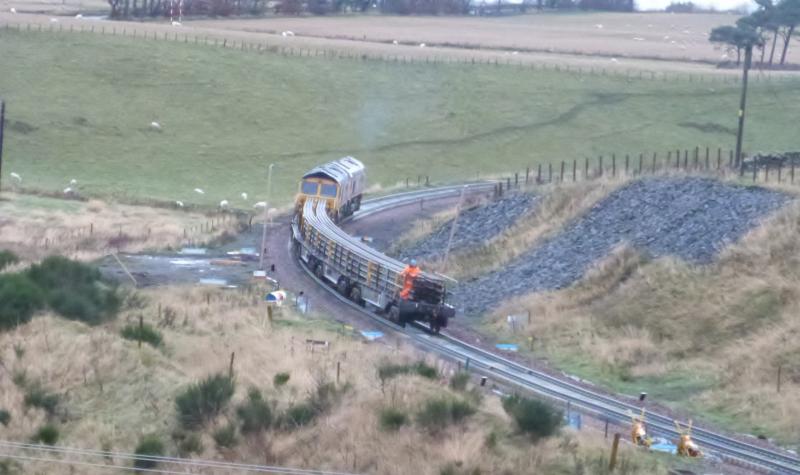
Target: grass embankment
pixel 386 414
pixel 705 338
pixel 34 227
pixel 80 106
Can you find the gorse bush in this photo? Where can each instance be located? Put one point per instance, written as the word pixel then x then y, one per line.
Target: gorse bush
pixel 280 379
pixel 255 413
pixel 5 417
pixel 533 417
pixel 47 434
pixel 75 290
pixel 38 396
pixel 440 412
pixel 225 436
pixel 459 381
pixel 298 415
pixel 149 445
pixel 201 402
pixel 20 298
pixel 392 418
pixel 390 370
pixel 145 333
pixel 318 402
pixel 7 258
pixel 188 443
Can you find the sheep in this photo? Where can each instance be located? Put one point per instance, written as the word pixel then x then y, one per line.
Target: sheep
pixel 73 182
pixel 16 176
pixel 199 191
pixel 394 42
pixel 287 33
pixel 78 16
pixel 13 10
pixel 598 26
pixel 54 20
pixel 67 190
pixel 223 204
pixel 155 125
pixel 179 203
pixel 260 204
pixel 422 45
pixel 176 23
pixel 244 196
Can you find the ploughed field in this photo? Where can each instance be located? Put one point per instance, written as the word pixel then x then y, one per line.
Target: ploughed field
pixel 224 115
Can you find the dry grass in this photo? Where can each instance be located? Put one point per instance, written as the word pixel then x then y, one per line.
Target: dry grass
pixel 707 337
pixel 114 392
pixel 34 227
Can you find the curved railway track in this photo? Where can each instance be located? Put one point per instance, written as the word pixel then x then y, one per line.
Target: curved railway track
pixel 514 374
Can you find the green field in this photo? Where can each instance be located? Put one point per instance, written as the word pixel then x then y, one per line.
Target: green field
pixel 80 106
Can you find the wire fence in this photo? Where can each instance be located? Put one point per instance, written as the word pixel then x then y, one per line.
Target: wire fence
pixel 454 56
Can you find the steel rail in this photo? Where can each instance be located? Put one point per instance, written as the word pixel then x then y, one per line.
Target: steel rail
pixel 552 387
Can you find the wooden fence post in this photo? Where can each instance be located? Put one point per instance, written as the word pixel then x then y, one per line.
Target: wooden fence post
pixel 719 158
pixel 780 171
pixel 627 159
pixel 654 163
pixel 792 172
pixel 613 165
pixel 612 463
pixel 539 175
pixel 561 178
pixel 707 162
pixel 600 165
pixel 549 173
pixel 574 170
pixel 516 180
pixel 755 168
pixel 685 159
pixel 527 174
pixel 586 168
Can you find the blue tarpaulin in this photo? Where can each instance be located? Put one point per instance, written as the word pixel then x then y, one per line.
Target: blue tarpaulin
pixel 506 346
pixel 372 335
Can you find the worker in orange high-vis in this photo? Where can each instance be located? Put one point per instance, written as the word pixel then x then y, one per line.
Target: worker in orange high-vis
pixel 409 274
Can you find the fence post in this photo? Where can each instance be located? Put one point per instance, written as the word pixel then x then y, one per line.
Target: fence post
pixel 792 170
pixel 654 163
pixel 766 172
pixel 527 174
pixel 677 159
pixel 755 167
pixel 574 170
pixel 516 180
pixel 586 168
pixel 685 159
pixel 613 165
pixel 696 163
pixel 780 171
pixel 539 175
pixel 719 158
pixel 626 164
pixel 600 165
pixel 561 179
pixel 707 158
pixel 549 173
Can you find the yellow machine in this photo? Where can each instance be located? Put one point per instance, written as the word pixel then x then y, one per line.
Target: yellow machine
pixel 686 446
pixel 639 435
pixel 339 183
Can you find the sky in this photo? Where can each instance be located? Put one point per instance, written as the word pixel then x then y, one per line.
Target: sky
pixel 718 4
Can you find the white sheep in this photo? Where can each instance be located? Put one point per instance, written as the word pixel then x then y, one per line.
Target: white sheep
pixel 13 10
pixel 422 45
pixel 260 204
pixel 223 204
pixel 598 26
pixel 199 191
pixel 54 20
pixel 394 42
pixel 176 23
pixel 16 176
pixel 638 38
pixel 287 33
pixel 614 60
pixel 244 196
pixel 179 203
pixel 78 16
pixel 67 190
pixel 73 182
pixel 155 125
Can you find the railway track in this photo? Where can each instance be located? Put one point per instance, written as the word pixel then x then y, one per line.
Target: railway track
pixel 514 374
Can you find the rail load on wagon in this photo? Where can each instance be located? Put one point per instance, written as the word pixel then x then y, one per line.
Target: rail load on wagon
pixel 403 293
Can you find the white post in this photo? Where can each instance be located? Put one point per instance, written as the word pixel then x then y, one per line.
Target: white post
pixel 453 228
pixel 262 264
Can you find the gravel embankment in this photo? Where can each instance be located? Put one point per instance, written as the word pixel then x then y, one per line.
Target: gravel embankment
pixel 691 218
pixel 474 227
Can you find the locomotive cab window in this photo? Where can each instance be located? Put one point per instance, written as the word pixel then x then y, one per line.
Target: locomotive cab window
pixel 309 188
pixel 329 190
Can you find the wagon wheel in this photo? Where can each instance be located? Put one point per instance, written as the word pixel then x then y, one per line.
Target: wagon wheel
pixel 355 294
pixel 394 314
pixel 343 285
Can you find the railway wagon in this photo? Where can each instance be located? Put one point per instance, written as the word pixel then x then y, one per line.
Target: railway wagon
pixel 339 183
pixel 365 275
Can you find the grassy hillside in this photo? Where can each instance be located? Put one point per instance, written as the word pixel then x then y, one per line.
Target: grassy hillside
pixel 705 338
pixel 107 393
pixel 80 106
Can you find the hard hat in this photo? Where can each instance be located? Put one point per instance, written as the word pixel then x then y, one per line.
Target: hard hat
pixel 413 262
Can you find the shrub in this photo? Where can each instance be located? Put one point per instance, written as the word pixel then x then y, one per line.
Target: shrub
pixel 202 401
pixel 5 417
pixel 75 290
pixel 226 436
pixel 37 396
pixel 441 412
pixel 390 370
pixel 299 414
pixel 459 381
pixel 20 297
pixel 255 414
pixel 392 419
pixel 151 446
pixel 47 434
pixel 280 379
pixel 533 417
pixel 7 258
pixel 145 333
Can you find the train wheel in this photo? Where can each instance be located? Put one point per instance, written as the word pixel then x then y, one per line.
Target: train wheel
pixel 435 328
pixel 343 286
pixel 355 294
pixel 394 314
pixel 319 270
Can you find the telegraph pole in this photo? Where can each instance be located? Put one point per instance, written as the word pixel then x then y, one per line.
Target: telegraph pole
pixel 263 252
pixel 2 126
pixel 748 57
